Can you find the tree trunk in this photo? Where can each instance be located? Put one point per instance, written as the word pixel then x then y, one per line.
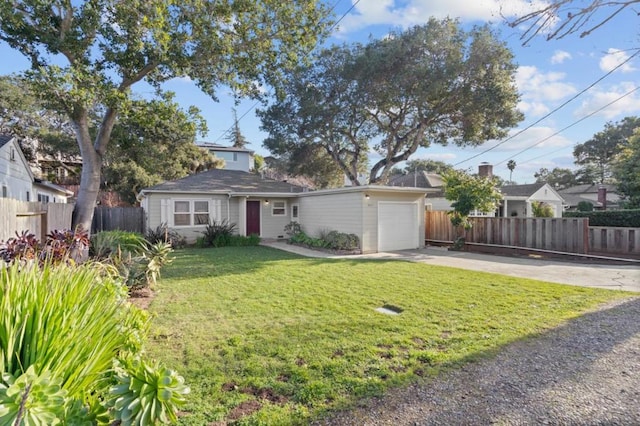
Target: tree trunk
pixel 89 189
pixel 91 166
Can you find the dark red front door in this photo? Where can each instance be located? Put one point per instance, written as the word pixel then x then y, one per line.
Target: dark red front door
pixel 253 217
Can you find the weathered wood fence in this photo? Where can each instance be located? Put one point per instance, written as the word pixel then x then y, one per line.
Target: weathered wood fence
pixel 121 218
pixel 569 235
pixel 37 218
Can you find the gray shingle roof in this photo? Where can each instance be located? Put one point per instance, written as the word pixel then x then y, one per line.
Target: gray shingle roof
pixel 588 188
pixel 525 190
pixel 4 139
pixel 221 180
pixel 419 180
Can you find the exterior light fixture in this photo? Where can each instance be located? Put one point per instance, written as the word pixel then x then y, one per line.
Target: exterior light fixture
pixel 266 202
pixel 366 196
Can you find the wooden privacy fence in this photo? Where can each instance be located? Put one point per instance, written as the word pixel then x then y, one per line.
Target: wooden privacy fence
pixel 118 218
pixel 37 218
pixel 570 235
pixel 614 240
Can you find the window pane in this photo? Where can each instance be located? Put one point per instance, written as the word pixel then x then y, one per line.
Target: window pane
pixel 201 206
pixel 279 208
pixel 294 211
pixel 181 207
pixel 201 218
pixel 182 219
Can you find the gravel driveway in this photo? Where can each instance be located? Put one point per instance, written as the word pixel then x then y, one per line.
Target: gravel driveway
pixel 585 372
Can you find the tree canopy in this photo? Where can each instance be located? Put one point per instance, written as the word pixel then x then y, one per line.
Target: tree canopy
pixel 422 165
pixel 88 54
pixel 434 83
pixel 236 137
pixel 154 141
pixel 468 194
pixel 627 172
pixel 598 153
pixel 558 177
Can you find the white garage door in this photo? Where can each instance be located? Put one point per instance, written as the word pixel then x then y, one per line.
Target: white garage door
pixel 397 226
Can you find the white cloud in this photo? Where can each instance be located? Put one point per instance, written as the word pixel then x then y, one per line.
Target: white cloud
pixel 413 12
pixel 596 99
pixel 613 58
pixel 559 56
pixel 443 156
pixel 537 88
pixel 531 137
pixel 533 108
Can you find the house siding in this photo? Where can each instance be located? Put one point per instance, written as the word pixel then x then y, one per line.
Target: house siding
pixel 154 212
pixel 339 212
pixel 546 195
pixel 14 174
pixel 273 226
pixel 243 162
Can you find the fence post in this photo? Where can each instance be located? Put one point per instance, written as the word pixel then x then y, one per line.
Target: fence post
pixel 585 233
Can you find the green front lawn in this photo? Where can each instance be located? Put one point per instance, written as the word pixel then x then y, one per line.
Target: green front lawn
pixel 267 337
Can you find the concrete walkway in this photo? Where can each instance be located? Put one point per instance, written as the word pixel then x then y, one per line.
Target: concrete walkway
pixel 616 277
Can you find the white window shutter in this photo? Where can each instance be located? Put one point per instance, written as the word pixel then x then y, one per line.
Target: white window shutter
pixel 216 210
pixel 165 212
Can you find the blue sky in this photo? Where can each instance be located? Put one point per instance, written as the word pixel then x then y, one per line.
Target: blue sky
pixel 549 74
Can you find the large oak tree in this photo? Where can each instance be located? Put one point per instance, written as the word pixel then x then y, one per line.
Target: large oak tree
pixel 434 83
pixel 91 53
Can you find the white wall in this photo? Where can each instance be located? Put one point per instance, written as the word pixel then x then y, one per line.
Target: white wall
pixel 14 173
pixel 244 161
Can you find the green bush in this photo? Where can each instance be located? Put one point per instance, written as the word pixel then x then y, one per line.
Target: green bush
pixel 585 206
pixel 621 218
pixel 162 234
pixel 218 234
pixel 104 243
pixel 67 335
pixel 541 209
pixel 333 240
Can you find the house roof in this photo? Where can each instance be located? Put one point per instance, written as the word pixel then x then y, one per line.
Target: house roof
pixel 52 187
pixel 589 188
pixel 525 190
pixel 4 139
pixel 215 147
pixel 226 181
pixel 417 180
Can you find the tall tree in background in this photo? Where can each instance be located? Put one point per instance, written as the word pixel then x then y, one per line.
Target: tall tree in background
pixel 511 165
pixel 598 153
pixel 108 46
pixel 557 19
pixel 433 83
pixel 627 172
pixel 152 142
pixel 422 165
pixel 236 137
pixel 558 178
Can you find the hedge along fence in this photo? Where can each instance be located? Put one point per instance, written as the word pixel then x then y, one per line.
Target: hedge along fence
pixel 618 218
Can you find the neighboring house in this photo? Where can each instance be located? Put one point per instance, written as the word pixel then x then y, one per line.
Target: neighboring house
pixel 430 181
pixel 383 218
pixel 17 180
pixel 234 158
pixel 601 196
pixel 517 199
pixel 47 192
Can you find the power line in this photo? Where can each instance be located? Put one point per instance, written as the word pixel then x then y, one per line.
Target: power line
pixel 569 126
pixel 256 103
pixel 518 133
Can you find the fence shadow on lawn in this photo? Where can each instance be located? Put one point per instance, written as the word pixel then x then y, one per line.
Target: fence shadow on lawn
pixel 517 374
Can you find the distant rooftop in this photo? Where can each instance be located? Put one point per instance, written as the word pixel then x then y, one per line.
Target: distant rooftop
pixel 216 147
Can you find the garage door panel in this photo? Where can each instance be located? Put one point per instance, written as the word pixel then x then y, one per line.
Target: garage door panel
pixel 397 226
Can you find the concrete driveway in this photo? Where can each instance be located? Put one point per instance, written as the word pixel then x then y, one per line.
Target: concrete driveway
pixel 615 277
